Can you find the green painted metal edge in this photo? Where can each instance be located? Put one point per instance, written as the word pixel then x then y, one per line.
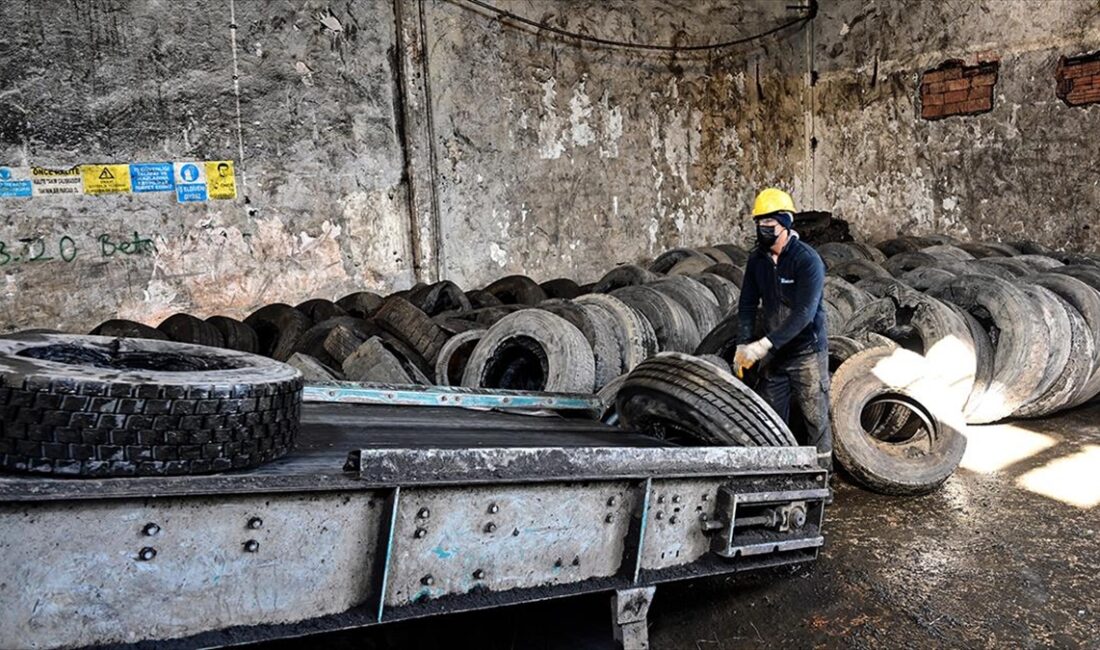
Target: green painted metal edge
pixel 357 393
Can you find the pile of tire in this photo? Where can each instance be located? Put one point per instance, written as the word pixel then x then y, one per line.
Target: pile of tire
pixel 929 333
pixel 514 333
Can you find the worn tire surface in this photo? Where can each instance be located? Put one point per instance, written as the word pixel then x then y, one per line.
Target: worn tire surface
pixel 452 359
pixel 623 276
pixel 684 399
pixel 237 335
pixel 117 327
pixel 440 297
pixel 672 323
pixel 97 406
pixel 735 274
pixel 277 328
pixel 667 260
pixel 1019 337
pixel 637 340
pixel 517 290
pixel 924 278
pixel 185 328
pixel 561 288
pixel 404 321
pixel 361 304
pixel 532 350
pixel 917 462
pixel 1086 301
pixel 694 297
pixel 725 292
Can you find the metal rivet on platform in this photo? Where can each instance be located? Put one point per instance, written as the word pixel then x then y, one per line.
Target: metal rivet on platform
pixel 490 527
pixel 706 497
pixel 609 518
pixel 427 581
pixel 420 532
pixel 672 519
pixel 661 499
pixel 255 523
pixel 424 513
pixel 251 546
pixel 660 515
pixel 147 553
pixel 150 529
pixel 676 499
pixel 611 501
pixel 479 575
pixel 493 508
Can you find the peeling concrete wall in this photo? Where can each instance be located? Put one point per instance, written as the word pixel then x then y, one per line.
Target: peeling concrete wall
pixel 321 207
pixel 548 158
pixel 1030 169
pixel 558 159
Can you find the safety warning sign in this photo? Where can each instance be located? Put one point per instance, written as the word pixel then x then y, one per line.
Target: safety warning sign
pixel 151 177
pixel 219 179
pixel 190 179
pixel 15 183
pixel 105 179
pixel 53 182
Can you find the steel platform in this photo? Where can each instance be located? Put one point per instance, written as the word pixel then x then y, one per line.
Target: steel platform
pixel 389 512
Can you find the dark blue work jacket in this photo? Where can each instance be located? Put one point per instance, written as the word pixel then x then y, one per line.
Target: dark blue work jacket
pixel 790 294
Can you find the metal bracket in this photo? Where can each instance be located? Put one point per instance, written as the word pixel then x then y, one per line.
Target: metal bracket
pixel 765 522
pixel 348 392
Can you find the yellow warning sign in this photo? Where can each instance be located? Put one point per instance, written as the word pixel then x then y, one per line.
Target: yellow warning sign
pixel 105 179
pixel 220 183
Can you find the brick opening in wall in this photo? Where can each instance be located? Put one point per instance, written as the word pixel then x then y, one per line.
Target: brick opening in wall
pixel 954 88
pixel 1079 79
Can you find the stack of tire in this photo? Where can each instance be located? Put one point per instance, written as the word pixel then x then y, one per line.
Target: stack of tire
pixel 930 332
pixel 512 334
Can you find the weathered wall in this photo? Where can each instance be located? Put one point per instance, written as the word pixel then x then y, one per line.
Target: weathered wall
pixel 561 160
pixel 545 157
pixel 1028 169
pixel 322 204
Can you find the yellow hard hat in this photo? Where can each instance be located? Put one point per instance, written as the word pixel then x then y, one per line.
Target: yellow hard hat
pixel 772 200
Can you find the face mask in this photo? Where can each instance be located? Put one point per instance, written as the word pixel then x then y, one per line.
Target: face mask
pixel 766 237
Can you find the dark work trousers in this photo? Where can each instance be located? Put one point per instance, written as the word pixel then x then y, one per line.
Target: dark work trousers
pixel 805 377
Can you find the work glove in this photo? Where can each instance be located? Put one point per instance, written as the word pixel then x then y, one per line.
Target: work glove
pixel 746 355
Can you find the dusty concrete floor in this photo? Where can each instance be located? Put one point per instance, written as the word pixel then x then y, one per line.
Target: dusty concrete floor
pixel 1006 555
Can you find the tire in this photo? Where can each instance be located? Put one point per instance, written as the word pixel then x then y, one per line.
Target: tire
pixel 833 253
pixel 312 370
pixel 1020 341
pixel 672 324
pixel 856 270
pixel 404 321
pixel 1071 378
pixel 841 348
pixel 561 288
pixel 734 274
pixel 361 304
pixel 237 335
pixel 452 360
pixel 722 341
pixel 980 250
pixel 1003 268
pixel 96 406
pixel 342 341
pixel 128 329
pixel 845 297
pixel 684 399
pixel 898 245
pixel 930 328
pixel 869 252
pixel 608 414
pixel 599 330
pixel 694 297
pixel 185 328
pixel 924 278
pixel 636 337
pixel 916 463
pixel 1086 302
pixel 312 341
pixel 277 328
pixel 1046 396
pixel 440 297
pixel 517 290
pixel 725 292
pixel 669 259
pixel 717 254
pixel 1039 263
pixel 481 299
pixel 983 360
pixel 693 265
pixel 738 256
pixel 532 350
pixel 375 362
pixel 903 262
pixel 626 275
pixel 1090 275
pixel 947 253
pixel 1029 248
pixel 319 309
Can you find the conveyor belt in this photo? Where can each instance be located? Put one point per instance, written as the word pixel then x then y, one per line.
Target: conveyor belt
pixel 329 432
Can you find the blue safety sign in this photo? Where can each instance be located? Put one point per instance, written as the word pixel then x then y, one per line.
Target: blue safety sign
pixel 151 177
pixel 190 182
pixel 15 183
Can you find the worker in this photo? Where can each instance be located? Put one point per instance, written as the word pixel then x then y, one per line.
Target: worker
pixel 784 282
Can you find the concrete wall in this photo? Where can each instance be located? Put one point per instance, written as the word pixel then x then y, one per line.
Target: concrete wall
pixel 545 157
pixel 1027 169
